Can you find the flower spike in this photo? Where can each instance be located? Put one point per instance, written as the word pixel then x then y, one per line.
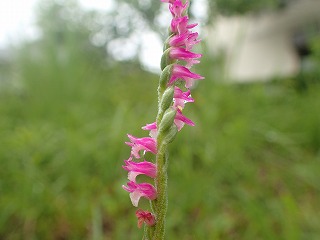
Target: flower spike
pixel 177 60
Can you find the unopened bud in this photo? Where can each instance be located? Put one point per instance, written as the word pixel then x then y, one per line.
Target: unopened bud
pixel 165 76
pixel 166 44
pixel 170 134
pixel 167 99
pixel 165 59
pixel 167 120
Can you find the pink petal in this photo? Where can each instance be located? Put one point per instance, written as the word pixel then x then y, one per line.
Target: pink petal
pixel 178 40
pixel 138 190
pixel 192 40
pixel 147 144
pixel 152 127
pixel 177 8
pixel 187 40
pixel 181 72
pixel 191 62
pixel 179 25
pixel 180 97
pixel 145 216
pixel 183 54
pixel 180 120
pixel 136 168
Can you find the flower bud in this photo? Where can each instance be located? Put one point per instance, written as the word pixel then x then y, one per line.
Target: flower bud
pixel 170 134
pixel 166 59
pixel 145 217
pixel 166 44
pixel 167 120
pixel 165 76
pixel 167 99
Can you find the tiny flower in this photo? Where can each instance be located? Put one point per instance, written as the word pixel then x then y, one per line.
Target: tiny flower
pixel 180 120
pixel 178 40
pixel 152 127
pixel 180 98
pixel 186 40
pixel 136 168
pixel 147 144
pixel 177 8
pixel 182 54
pixel 145 216
pixel 180 25
pixel 181 72
pixel 138 190
pixel 192 40
pixel 191 62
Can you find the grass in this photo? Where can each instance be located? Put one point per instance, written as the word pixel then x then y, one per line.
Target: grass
pixel 248 170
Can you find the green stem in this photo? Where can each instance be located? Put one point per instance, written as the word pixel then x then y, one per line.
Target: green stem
pixel 159 205
pixel 161 184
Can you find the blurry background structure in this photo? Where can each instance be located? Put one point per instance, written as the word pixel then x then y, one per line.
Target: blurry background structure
pixel 266 45
pixel 249 169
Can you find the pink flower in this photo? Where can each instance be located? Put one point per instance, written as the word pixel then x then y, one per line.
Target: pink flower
pixel 180 25
pixel 177 8
pixel 152 127
pixel 138 190
pixel 180 98
pixel 136 168
pixel 181 72
pixel 145 216
pixel 180 120
pixel 147 144
pixel 186 40
pixel 192 40
pixel 191 62
pixel 183 54
pixel 178 40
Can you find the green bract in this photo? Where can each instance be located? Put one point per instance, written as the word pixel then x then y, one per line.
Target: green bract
pixel 167 121
pixel 165 59
pixel 166 99
pixel 165 77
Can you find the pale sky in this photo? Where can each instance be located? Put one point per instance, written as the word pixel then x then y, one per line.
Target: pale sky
pixel 17 18
pixel 17 22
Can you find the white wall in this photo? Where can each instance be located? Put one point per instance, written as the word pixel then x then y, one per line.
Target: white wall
pixel 261 47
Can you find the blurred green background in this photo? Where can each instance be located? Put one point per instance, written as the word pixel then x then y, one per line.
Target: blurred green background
pixel 249 169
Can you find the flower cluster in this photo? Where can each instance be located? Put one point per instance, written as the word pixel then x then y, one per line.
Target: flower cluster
pixel 178 59
pixel 138 190
pixel 173 93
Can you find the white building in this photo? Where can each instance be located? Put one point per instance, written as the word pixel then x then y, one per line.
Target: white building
pixel 262 47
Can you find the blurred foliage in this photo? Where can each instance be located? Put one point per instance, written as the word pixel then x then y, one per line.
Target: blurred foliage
pixel 310 71
pixel 66 30
pixel 232 7
pixel 149 12
pixel 249 169
pixel 147 9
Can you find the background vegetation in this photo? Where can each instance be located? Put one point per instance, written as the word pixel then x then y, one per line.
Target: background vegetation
pixel 248 170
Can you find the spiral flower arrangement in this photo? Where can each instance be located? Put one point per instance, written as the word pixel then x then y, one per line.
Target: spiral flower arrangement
pixel 175 83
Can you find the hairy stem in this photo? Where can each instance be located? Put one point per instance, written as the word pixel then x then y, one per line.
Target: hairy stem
pixel 161 185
